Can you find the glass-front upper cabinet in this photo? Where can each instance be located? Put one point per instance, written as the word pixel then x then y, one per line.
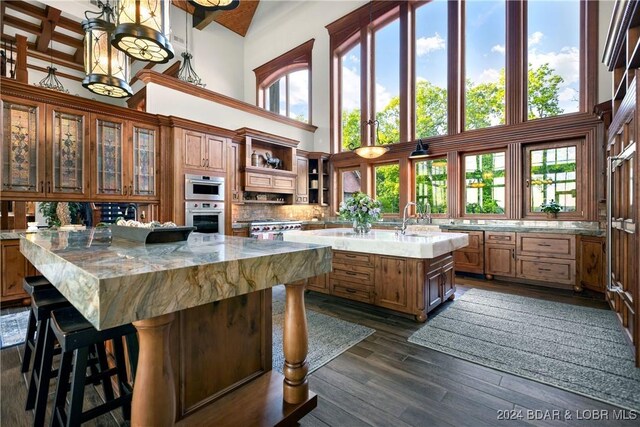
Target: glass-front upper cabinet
pixel 144 161
pixel 552 178
pixel 431 186
pixel 69 167
pixel 22 155
pixel 109 179
pixel 485 178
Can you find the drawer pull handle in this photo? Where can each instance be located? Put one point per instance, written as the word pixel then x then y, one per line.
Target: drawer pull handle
pixel 544 269
pixel 351 273
pixel 543 244
pixel 351 291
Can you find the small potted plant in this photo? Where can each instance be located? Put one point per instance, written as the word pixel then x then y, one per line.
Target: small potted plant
pixel 550 208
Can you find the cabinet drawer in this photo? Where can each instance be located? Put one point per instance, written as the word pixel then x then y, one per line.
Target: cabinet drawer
pixel 284 183
pixel 259 180
pixel 501 237
pixel 547 269
pixel 547 245
pixel 356 273
pixel 350 290
pixel 350 258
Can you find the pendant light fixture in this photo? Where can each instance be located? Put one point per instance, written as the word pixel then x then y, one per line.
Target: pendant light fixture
pixel 421 150
pixel 372 151
pixel 50 81
pixel 106 67
pixel 212 5
pixel 186 73
pixel 142 30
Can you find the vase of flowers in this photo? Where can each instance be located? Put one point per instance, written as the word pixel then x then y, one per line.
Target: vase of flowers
pixel 550 208
pixel 362 210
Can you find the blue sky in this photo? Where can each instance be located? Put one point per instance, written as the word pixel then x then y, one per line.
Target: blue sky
pixel 553 34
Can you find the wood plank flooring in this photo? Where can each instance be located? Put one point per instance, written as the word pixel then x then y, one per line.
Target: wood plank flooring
pixel 387 381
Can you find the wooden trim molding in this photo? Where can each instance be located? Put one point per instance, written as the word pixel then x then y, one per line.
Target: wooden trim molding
pixel 150 76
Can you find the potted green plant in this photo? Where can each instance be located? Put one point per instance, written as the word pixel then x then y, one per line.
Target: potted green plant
pixel 551 208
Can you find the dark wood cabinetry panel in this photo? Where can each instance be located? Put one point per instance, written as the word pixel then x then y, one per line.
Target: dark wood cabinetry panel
pixel 591 263
pixel 15 268
pixel 393 279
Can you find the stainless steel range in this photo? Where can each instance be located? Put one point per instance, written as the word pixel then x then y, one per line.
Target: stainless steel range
pixel 272 229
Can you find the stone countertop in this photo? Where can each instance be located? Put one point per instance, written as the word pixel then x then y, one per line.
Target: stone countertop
pixel 524 229
pixel 114 282
pixel 383 242
pixel 11 234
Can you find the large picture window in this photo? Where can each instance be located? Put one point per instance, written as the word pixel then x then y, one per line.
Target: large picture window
pixel 485 182
pixel 552 176
pixel 350 183
pixel 350 98
pixel 387 82
pixel 388 187
pixel 431 186
pixel 553 55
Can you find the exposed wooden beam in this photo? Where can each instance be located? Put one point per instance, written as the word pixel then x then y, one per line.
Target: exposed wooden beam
pixel 173 69
pixel 149 66
pixel 202 18
pixel 35 12
pixel 21 59
pixel 57 57
pixel 48 26
pixel 35 29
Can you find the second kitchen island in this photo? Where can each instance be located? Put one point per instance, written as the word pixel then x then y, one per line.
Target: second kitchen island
pixel 410 274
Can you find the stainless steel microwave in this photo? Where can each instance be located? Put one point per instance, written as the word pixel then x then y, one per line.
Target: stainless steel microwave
pixel 199 187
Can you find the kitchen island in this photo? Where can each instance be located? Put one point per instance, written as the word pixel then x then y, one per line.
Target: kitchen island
pixel 218 354
pixel 410 273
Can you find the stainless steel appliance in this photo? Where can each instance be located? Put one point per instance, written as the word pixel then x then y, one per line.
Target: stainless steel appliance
pixel 272 229
pixel 202 187
pixel 206 216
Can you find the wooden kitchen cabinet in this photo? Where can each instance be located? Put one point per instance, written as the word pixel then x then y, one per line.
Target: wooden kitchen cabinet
pixel 471 258
pixel 591 263
pixel 499 254
pixel 125 162
pixel 302 181
pixel 240 232
pixel 392 283
pixel 15 268
pixel 204 152
pixel 58 169
pixel 319 283
pixel 233 183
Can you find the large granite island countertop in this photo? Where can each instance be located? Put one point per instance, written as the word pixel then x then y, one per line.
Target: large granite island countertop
pixel 422 244
pixel 114 282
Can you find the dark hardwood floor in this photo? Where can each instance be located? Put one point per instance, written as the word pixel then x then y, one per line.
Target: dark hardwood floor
pixel 387 381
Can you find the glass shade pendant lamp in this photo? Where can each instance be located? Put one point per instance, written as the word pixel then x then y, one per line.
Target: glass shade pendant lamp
pixel 50 81
pixel 106 67
pixel 371 151
pixel 212 5
pixel 142 30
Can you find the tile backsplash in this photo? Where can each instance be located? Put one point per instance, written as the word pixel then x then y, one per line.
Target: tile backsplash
pixel 259 211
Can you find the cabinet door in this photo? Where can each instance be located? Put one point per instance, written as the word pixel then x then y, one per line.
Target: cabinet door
pixel 143 182
pixel 108 170
pixel 591 258
pixel 215 153
pixel 500 260
pixel 434 286
pixel 233 172
pixel 67 152
pixel 302 180
pixel 448 281
pixel 195 149
pixel 392 283
pixel 14 268
pixel 23 158
pixel 319 283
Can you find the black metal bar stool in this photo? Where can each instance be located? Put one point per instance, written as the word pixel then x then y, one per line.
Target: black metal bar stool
pixel 30 285
pixel 43 302
pixel 77 337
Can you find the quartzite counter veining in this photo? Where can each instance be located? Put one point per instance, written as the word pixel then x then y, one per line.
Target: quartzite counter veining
pixel 118 282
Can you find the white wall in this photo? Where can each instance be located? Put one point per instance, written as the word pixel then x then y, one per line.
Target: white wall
pixel 170 102
pixel 286 27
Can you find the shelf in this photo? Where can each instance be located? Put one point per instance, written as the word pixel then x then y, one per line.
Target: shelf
pixel 264 202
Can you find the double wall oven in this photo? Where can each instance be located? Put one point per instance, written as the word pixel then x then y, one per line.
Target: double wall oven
pixel 204 203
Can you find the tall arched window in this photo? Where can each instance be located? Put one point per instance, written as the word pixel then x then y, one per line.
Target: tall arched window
pixel 283 84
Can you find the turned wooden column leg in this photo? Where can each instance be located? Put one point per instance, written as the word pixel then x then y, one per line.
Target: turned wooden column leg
pixel 296 387
pixel 154 399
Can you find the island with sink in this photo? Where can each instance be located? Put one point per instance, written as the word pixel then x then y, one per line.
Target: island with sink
pixel 410 273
